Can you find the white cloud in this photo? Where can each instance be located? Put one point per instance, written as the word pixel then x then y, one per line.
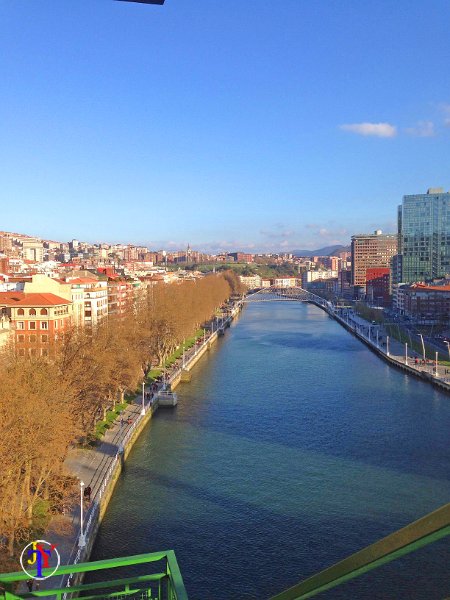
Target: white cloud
pixel 422 129
pixel 385 130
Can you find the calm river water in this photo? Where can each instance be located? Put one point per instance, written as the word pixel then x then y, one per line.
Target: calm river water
pixel 292 447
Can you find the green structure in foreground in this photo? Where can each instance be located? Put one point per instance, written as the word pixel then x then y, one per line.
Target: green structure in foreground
pixel 167 583
pixel 164 582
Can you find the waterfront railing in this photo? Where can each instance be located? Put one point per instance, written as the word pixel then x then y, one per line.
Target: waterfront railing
pixel 164 584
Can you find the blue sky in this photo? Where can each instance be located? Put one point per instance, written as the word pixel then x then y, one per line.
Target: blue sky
pixel 260 124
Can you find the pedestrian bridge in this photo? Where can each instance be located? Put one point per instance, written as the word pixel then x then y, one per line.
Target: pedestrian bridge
pixel 283 294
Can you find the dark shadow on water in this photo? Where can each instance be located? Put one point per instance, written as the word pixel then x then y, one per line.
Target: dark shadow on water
pixel 280 550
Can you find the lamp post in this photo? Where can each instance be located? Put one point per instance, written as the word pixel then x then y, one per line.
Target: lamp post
pixel 143 398
pixel 406 353
pixel 448 347
pixel 436 364
pixel 82 538
pixel 423 346
pixel 387 345
pixel 378 344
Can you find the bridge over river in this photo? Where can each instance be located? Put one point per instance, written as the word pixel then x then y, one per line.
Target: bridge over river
pixel 282 294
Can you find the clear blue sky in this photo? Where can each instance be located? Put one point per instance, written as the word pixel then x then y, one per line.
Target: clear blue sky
pixel 265 124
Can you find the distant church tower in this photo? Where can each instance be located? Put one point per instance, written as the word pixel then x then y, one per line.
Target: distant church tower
pixel 188 254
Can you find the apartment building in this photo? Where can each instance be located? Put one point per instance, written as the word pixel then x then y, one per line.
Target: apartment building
pixel 36 319
pixel 370 251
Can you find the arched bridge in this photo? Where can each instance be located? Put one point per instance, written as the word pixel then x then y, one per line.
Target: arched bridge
pixel 283 294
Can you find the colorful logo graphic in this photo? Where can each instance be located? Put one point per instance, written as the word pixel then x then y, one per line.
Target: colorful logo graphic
pixel 39 555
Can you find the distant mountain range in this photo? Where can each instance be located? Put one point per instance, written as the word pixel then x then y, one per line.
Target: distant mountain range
pixel 327 251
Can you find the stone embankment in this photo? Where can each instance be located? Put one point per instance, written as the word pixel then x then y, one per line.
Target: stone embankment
pixel 387 348
pixel 100 467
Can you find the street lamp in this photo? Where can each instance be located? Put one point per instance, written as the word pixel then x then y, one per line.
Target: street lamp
pixel 143 398
pixel 436 364
pixel 82 538
pixel 448 347
pixel 387 345
pixel 406 353
pixel 423 346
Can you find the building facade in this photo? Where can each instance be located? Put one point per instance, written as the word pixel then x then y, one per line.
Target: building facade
pixel 427 303
pixel 36 320
pixel 378 286
pixel 251 282
pixel 370 251
pixel 424 235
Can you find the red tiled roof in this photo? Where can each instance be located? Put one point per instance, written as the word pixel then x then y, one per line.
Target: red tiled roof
pixel 79 280
pixel 433 288
pixel 23 299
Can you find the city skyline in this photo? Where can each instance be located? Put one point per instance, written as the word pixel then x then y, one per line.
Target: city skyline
pixel 240 126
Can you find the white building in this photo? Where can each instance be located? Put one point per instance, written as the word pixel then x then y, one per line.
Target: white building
pixel 33 250
pixel 310 276
pixel 89 298
pixel 251 282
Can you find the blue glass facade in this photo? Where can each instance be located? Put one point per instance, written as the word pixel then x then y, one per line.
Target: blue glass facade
pixel 424 236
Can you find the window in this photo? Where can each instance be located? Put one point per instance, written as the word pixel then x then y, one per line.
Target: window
pixel 56 324
pixel 32 325
pixel 44 352
pixel 21 338
pixel 33 351
pixel 44 324
pixel 21 351
pixel 20 325
pixel 32 338
pixel 32 312
pixel 20 312
pixel 44 311
pixel 44 338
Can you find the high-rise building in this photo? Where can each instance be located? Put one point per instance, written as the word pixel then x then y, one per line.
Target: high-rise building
pixel 369 251
pixel 424 235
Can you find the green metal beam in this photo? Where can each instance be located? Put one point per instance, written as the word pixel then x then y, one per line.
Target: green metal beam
pixel 102 584
pixel 91 566
pixel 175 575
pixel 129 585
pixel 422 532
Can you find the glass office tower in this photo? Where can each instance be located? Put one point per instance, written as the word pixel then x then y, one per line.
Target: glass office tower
pixel 424 235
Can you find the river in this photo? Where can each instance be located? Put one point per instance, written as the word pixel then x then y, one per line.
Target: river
pixel 292 447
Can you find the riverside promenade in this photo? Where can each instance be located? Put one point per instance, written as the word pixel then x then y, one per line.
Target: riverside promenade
pixel 100 467
pixel 390 349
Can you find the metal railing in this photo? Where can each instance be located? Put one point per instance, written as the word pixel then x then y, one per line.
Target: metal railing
pixel 165 584
pixel 420 533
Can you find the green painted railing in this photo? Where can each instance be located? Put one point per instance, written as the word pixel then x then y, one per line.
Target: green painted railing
pixel 418 534
pixel 166 584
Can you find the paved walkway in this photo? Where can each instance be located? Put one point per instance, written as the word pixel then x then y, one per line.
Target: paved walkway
pixel 397 351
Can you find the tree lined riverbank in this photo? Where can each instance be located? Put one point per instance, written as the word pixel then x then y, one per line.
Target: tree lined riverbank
pixel 48 404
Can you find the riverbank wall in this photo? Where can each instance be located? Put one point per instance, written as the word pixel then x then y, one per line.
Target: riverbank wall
pixel 113 468
pixel 382 353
